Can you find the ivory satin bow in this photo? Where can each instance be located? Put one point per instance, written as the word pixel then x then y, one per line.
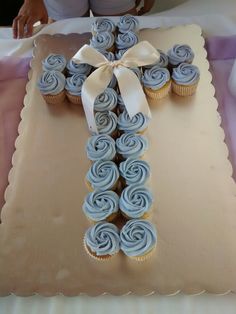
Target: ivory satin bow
pixel 130 88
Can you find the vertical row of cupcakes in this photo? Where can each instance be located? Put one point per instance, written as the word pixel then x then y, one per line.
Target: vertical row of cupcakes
pixel 117 174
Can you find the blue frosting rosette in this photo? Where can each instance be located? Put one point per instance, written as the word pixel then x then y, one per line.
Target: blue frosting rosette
pixel 131 145
pixel 179 54
pixel 102 41
pixel 106 101
pixel 137 124
pixel 138 239
pixel 126 40
pixel 103 25
pixel 134 171
pixel 54 62
pixel 106 122
pixel 101 146
pixel 128 23
pixel 51 83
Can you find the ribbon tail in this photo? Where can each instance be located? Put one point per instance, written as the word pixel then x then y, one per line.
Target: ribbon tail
pixel 131 92
pixel 93 86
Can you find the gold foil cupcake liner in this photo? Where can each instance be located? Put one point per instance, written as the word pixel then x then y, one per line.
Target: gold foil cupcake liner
pixel 183 90
pixel 94 256
pixel 158 94
pixel 74 99
pixel 55 99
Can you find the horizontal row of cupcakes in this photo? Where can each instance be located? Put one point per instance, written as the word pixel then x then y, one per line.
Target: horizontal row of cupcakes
pixel 137 240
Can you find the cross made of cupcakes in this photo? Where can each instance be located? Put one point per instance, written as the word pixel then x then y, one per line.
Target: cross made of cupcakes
pixel 118 175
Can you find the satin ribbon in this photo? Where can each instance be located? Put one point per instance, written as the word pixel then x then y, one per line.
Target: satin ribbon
pixel 130 88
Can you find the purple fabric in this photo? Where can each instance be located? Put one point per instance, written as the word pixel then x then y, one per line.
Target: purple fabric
pixel 13 78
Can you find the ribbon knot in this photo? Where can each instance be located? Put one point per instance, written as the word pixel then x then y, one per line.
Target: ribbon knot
pixel 129 85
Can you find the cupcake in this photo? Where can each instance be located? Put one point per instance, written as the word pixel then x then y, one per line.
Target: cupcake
pixel 102 176
pixel 162 63
pixel 138 124
pixel 136 201
pixel 106 123
pixel 101 147
pixel 108 54
pixel 103 25
pixel 54 62
pixel 126 40
pixel 52 86
pixel 185 79
pixel 73 87
pixel 134 171
pixel 101 205
pixel 113 82
pixel 128 23
pixel 131 145
pixel 106 101
pixel 179 54
pixel 156 82
pixel 103 41
pixel 78 68
pixel 138 239
pixel 102 240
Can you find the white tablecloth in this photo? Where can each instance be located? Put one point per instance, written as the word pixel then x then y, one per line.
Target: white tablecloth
pixel 216 17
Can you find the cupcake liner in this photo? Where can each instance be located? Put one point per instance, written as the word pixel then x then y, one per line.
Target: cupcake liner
pixel 93 255
pixel 144 257
pixel 158 94
pixel 74 99
pixel 55 99
pixel 184 90
pixel 145 215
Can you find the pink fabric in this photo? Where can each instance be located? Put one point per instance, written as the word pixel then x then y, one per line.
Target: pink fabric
pixel 13 77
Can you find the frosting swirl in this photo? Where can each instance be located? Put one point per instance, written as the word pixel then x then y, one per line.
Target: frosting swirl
pixel 80 68
pixel 103 239
pixel 103 25
pixel 51 82
pixel 74 83
pixel 54 62
pixel 155 77
pixel 106 122
pixel 100 205
pixel 126 40
pixel 135 200
pixel 131 145
pixel 186 74
pixel 103 175
pixel 120 103
pixel 102 41
pixel 134 171
pixel 162 63
pixel 138 123
pixel 101 147
pixel 179 54
pixel 106 100
pixel 138 237
pixel 119 53
pixel 128 23
pixel 108 54
pixel 113 82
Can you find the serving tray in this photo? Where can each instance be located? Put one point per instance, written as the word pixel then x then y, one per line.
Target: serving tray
pixel 42 223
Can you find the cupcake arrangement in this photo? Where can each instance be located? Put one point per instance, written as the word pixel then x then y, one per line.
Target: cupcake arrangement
pixel 117 179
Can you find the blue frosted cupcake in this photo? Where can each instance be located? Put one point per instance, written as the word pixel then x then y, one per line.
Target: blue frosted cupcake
pixel 128 23
pixel 106 101
pixel 54 62
pixel 101 205
pixel 73 88
pixel 119 53
pixel 103 24
pixel 101 147
pixel 102 176
pixel 106 123
pixel 126 40
pixel 78 68
pixel 134 171
pixel 138 239
pixel 102 240
pixel 131 145
pixel 136 202
pixel 185 79
pixel 138 124
pixel 179 54
pixel 156 82
pixel 103 41
pixel 52 86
